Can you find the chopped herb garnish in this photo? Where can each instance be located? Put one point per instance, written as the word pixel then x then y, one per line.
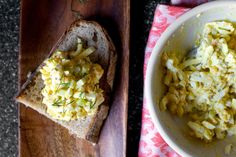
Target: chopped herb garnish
pixel 65 84
pixel 80 94
pixel 60 83
pixel 80 106
pixel 93 104
pixel 57 103
pixel 71 102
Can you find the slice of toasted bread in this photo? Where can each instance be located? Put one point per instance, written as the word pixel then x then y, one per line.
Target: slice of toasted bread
pixel 105 55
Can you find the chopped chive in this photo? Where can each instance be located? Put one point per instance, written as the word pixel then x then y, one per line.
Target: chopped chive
pixel 93 104
pixel 80 94
pixel 65 84
pixel 71 102
pixel 60 83
pixel 57 103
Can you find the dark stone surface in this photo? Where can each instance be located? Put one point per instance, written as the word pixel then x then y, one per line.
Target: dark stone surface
pixel 141 19
pixel 9 30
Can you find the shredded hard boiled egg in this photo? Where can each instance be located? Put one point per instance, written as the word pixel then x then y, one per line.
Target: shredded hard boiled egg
pixel 203 86
pixel 71 84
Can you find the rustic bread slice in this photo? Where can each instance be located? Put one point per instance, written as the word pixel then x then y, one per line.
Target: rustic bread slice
pixel 105 54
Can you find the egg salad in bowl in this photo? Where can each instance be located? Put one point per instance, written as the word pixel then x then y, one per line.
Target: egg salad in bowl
pixel 72 84
pixel 203 86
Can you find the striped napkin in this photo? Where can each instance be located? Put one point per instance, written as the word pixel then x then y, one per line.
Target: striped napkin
pixel 151 143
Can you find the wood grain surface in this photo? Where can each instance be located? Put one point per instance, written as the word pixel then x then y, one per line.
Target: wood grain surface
pixel 42 23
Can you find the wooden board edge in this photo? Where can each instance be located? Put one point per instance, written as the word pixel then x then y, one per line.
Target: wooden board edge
pixel 127 23
pixel 19 80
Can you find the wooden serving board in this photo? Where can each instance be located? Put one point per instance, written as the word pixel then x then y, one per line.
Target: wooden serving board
pixel 42 23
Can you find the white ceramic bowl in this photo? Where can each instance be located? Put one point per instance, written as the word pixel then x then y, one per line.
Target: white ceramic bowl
pixel 180 37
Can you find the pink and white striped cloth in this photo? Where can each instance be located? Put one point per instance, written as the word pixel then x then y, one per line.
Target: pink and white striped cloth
pixel 151 143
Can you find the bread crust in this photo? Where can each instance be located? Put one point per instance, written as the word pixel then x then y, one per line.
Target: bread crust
pixel 105 55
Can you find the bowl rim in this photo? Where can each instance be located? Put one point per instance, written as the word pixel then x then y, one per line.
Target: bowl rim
pixel 152 63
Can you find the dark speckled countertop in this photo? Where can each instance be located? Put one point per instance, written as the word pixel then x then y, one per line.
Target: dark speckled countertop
pixel 141 19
